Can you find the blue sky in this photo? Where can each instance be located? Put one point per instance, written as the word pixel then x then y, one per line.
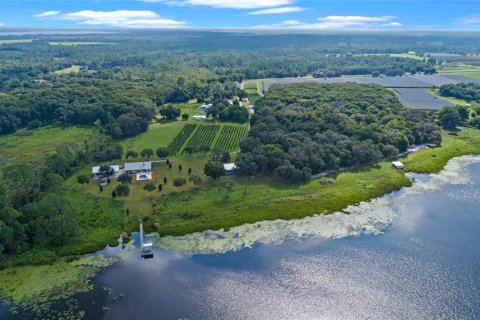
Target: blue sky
pixel 269 14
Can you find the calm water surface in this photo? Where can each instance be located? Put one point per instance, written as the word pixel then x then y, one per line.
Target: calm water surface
pixel 425 265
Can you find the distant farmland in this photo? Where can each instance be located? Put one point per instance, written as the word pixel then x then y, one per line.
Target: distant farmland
pixel 412 90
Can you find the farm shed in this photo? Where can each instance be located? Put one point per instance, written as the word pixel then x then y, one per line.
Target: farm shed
pixel 398 165
pixel 229 167
pixel 97 175
pixel 199 118
pixel 135 167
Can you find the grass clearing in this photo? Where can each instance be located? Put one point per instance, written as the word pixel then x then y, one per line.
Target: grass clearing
pixel 72 69
pixel 254 90
pixel 15 41
pixel 33 145
pixel 158 135
pixel 466 141
pixel 454 101
pixel 78 43
pixel 406 56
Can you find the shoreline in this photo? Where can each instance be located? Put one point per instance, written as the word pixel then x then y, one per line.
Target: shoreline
pixel 466 142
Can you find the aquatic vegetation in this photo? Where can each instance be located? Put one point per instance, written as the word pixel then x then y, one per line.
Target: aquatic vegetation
pixel 369 217
pixel 35 288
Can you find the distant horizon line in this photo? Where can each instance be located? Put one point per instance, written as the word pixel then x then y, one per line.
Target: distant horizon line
pixel 241 29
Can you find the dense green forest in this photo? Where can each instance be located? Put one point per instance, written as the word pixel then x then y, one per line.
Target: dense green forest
pixel 302 129
pixel 464 91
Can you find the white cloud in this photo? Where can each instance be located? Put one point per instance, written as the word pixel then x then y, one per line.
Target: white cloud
pixel 232 4
pixel 471 20
pixel 47 14
pixel 277 10
pixel 337 22
pixel 118 18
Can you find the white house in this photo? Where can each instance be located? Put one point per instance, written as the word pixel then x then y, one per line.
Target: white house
pixel 398 165
pixel 136 167
pixel 250 109
pixel 229 167
pixel 97 175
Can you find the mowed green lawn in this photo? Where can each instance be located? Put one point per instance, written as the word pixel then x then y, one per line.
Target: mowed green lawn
pixel 158 135
pixel 30 145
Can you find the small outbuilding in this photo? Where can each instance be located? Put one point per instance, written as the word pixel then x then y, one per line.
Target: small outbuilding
pixel 230 167
pixel 199 118
pixel 398 165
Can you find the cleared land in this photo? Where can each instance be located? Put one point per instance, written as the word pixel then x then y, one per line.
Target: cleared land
pixel 254 89
pixel 37 144
pixel 76 43
pixel 158 135
pixel 15 41
pixel 72 69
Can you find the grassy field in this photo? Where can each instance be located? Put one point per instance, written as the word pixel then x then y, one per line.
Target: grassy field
pixel 76 43
pixel 406 55
pixel 72 69
pixel 35 144
pixel 254 90
pixel 454 101
pixel 466 141
pixel 15 41
pixel 158 135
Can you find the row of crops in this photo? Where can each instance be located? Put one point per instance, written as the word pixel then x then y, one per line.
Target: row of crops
pixel 230 137
pixel 198 135
pixel 177 143
pixel 204 136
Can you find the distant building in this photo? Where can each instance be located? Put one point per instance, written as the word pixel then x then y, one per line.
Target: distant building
pixel 230 168
pixel 205 108
pixel 398 165
pixel 136 167
pixel 250 109
pixel 199 118
pixel 97 175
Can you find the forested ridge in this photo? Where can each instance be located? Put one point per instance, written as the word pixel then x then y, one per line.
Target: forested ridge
pixel 302 129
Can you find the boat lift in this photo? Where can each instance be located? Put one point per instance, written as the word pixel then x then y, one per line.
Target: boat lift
pixel 146 248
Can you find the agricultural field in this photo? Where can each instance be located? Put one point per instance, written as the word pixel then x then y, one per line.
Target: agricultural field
pixel 204 136
pixel 177 144
pixel 36 144
pixel 230 137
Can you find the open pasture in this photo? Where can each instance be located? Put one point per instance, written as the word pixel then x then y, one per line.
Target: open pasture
pixel 26 145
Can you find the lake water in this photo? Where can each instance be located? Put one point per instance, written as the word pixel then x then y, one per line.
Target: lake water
pixel 413 254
